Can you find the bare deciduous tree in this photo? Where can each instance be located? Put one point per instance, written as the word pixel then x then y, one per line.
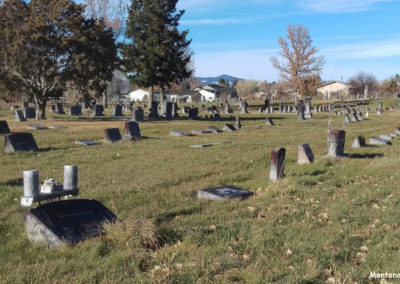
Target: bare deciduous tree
pixel 362 79
pixel 299 57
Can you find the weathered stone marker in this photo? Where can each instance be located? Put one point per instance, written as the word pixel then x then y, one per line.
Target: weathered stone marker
pixel 336 141
pixel 307 111
pixel 269 122
pixel 29 112
pixel 20 142
pixel 229 128
pixel 177 133
pixel 238 125
pixel 201 145
pixel 305 155
pixel 224 192
pixel 379 141
pixel 4 129
pixel 346 118
pixel 98 110
pixel 300 111
pixel 277 163
pixel 386 137
pixel 58 108
pixel 86 142
pixel 200 131
pixel 117 110
pixel 358 142
pixel 193 113
pixel 19 116
pixel 132 131
pixel 112 135
pixel 153 111
pixel 137 114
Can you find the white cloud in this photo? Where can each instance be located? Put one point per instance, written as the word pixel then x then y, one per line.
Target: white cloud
pixel 366 50
pixel 340 6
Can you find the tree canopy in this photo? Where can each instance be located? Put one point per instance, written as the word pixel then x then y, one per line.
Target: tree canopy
pixel 300 63
pixel 47 43
pixel 157 53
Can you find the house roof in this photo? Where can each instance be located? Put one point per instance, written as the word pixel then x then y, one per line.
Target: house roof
pixel 332 82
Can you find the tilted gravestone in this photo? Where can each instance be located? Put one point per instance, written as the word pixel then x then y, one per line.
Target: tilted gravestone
pixel 137 114
pixel 29 112
pixel 379 141
pixel 112 135
pixel 277 163
pixel 117 110
pixel 19 142
pixel 4 129
pixel 358 142
pixel 98 110
pixel 224 192
pixel 336 141
pixel 75 110
pixel 229 128
pixel 58 108
pixel 66 222
pixel 131 130
pixel 269 122
pixel 305 155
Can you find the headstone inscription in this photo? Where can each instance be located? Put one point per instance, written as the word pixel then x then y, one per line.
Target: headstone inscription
pixel 224 192
pixel 29 112
pixel 336 141
pixel 112 135
pixel 305 155
pixel 277 163
pixel 19 142
pixel 131 131
pixel 4 129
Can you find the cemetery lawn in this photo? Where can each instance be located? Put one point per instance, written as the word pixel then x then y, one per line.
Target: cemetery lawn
pixel 335 218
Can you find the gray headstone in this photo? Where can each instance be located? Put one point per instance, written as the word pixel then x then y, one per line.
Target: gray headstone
pixel 112 135
pixel 229 128
pixel 177 133
pixel 75 110
pixel 29 112
pixel 224 192
pixel 379 141
pixel 358 142
pixel 19 116
pixel 131 131
pixel 238 125
pixel 98 110
pixel 214 129
pixel 307 111
pixel 36 127
pixel 185 110
pixel 336 141
pixel 346 118
pixel 66 222
pixel 277 163
pixel 86 142
pixel 58 108
pixel 269 122
pixel 200 145
pixel 20 142
pixel 4 129
pixel 305 155
pixel 117 110
pixel 137 114
pixel 300 112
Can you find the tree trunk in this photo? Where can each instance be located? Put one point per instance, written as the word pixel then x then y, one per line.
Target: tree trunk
pixel 40 107
pixel 163 97
pixel 150 96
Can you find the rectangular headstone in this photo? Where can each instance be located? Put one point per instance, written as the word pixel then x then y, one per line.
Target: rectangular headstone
pixel 19 116
pixel 66 222
pixel 86 142
pixel 75 110
pixel 4 129
pixel 98 110
pixel 224 192
pixel 131 130
pixel 305 155
pixel 20 142
pixel 336 141
pixel 137 114
pixel 193 113
pixel 58 108
pixel 277 163
pixel 112 135
pixel 29 112
pixel 117 110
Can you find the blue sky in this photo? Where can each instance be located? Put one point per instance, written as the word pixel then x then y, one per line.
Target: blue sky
pixel 237 37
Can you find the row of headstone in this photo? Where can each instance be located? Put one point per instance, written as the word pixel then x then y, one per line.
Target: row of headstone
pixel 131 132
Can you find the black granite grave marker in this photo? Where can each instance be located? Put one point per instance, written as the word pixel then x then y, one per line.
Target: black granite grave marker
pixel 224 192
pixel 131 130
pixel 112 135
pixel 20 142
pixel 4 129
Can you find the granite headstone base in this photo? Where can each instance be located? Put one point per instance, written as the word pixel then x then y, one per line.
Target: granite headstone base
pixel 224 192
pixel 66 222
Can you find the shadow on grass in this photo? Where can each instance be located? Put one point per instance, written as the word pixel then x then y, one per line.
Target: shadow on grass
pixel 47 149
pixel 13 182
pixel 168 216
pixel 366 156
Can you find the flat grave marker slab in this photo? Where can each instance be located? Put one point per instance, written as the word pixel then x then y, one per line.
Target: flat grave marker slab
pixel 66 222
pixel 197 131
pixel 177 133
pixel 4 129
pixel 224 192
pixel 229 128
pixel 201 145
pixel 112 135
pixel 86 142
pixel 379 141
pixel 386 137
pixel 221 142
pixel 57 127
pixel 20 142
pixel 214 129
pixel 36 127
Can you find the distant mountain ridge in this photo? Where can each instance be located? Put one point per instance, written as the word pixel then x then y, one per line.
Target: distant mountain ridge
pixel 215 80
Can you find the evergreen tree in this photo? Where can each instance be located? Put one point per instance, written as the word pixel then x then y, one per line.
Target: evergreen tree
pixel 158 53
pixel 47 43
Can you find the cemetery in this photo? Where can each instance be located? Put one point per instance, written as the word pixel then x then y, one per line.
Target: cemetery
pixel 200 199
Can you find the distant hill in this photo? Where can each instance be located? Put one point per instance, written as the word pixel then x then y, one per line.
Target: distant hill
pixel 215 80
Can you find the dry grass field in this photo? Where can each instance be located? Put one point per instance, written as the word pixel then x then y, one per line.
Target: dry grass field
pixel 333 220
